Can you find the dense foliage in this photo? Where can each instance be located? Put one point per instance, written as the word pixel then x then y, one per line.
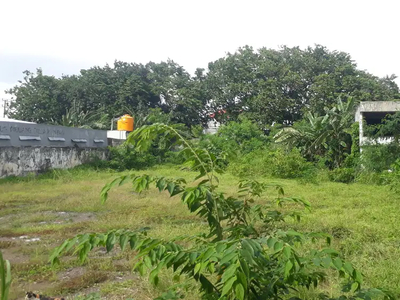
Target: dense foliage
pixel 235 138
pixel 111 91
pixel 328 135
pixel 279 85
pixel 266 86
pixel 245 254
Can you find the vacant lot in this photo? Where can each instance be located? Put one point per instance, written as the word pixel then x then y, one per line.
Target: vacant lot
pixel 38 214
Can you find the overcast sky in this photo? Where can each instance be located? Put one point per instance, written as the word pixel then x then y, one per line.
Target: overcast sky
pixel 63 37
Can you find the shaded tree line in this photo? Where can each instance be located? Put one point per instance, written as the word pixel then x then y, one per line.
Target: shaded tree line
pixel 264 85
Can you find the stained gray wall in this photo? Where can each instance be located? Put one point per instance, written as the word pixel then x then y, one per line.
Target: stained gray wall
pixel 20 161
pixel 34 148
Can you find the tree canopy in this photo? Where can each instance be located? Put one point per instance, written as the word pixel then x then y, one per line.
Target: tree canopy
pixel 281 85
pixel 265 85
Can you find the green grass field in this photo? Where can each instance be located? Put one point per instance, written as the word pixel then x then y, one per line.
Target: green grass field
pixel 362 219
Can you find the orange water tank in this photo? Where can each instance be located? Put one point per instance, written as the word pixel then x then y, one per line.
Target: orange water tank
pixel 125 123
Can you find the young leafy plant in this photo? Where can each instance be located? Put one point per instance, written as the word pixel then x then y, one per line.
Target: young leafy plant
pixel 243 255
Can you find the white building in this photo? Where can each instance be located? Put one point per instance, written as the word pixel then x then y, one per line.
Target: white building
pixel 372 113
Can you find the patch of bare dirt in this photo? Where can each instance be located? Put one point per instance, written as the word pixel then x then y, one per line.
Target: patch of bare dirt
pixel 49 217
pixel 73 217
pixel 14 255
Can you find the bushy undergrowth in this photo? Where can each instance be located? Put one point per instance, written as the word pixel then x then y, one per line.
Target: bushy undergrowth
pixel 253 153
pixel 345 175
pixel 379 158
pixel 276 163
pixel 125 157
pixel 236 138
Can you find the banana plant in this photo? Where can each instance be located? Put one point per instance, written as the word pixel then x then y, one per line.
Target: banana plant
pixel 323 135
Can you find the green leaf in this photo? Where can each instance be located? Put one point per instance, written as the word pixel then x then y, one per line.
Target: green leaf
pixel 5 277
pixel 228 258
pixel 205 256
pixel 278 246
pixel 357 276
pixel 187 196
pixel 229 272
pixel 317 261
pixel 337 262
pixel 288 267
pixel 355 286
pixel 247 246
pixel 211 268
pixel 192 257
pixel 153 277
pixel 161 184
pixel 239 291
pixel 220 247
pixel 110 241
pixel 247 257
pixel 171 188
pixel 348 268
pixel 147 262
pixel 197 268
pixel 84 251
pixel 125 179
pixel 242 278
pixel 245 267
pixel 140 268
pixel 132 242
pixel 123 241
pixel 287 251
pixel 326 262
pixel 228 286
pixel 271 242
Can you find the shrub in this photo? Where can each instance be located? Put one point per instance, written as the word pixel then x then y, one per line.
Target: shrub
pixel 345 175
pixel 173 157
pixel 277 163
pixel 367 177
pixel 378 158
pixel 392 176
pixel 124 157
pixel 243 137
pixel 289 164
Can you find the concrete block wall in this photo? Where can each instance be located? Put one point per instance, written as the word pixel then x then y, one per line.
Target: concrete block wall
pixel 20 161
pixel 35 148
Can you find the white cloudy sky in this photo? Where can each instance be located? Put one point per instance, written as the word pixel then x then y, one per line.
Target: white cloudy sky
pixel 65 36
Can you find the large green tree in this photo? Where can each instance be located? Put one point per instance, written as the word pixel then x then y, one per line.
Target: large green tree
pixel 38 98
pixel 281 85
pixel 112 91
